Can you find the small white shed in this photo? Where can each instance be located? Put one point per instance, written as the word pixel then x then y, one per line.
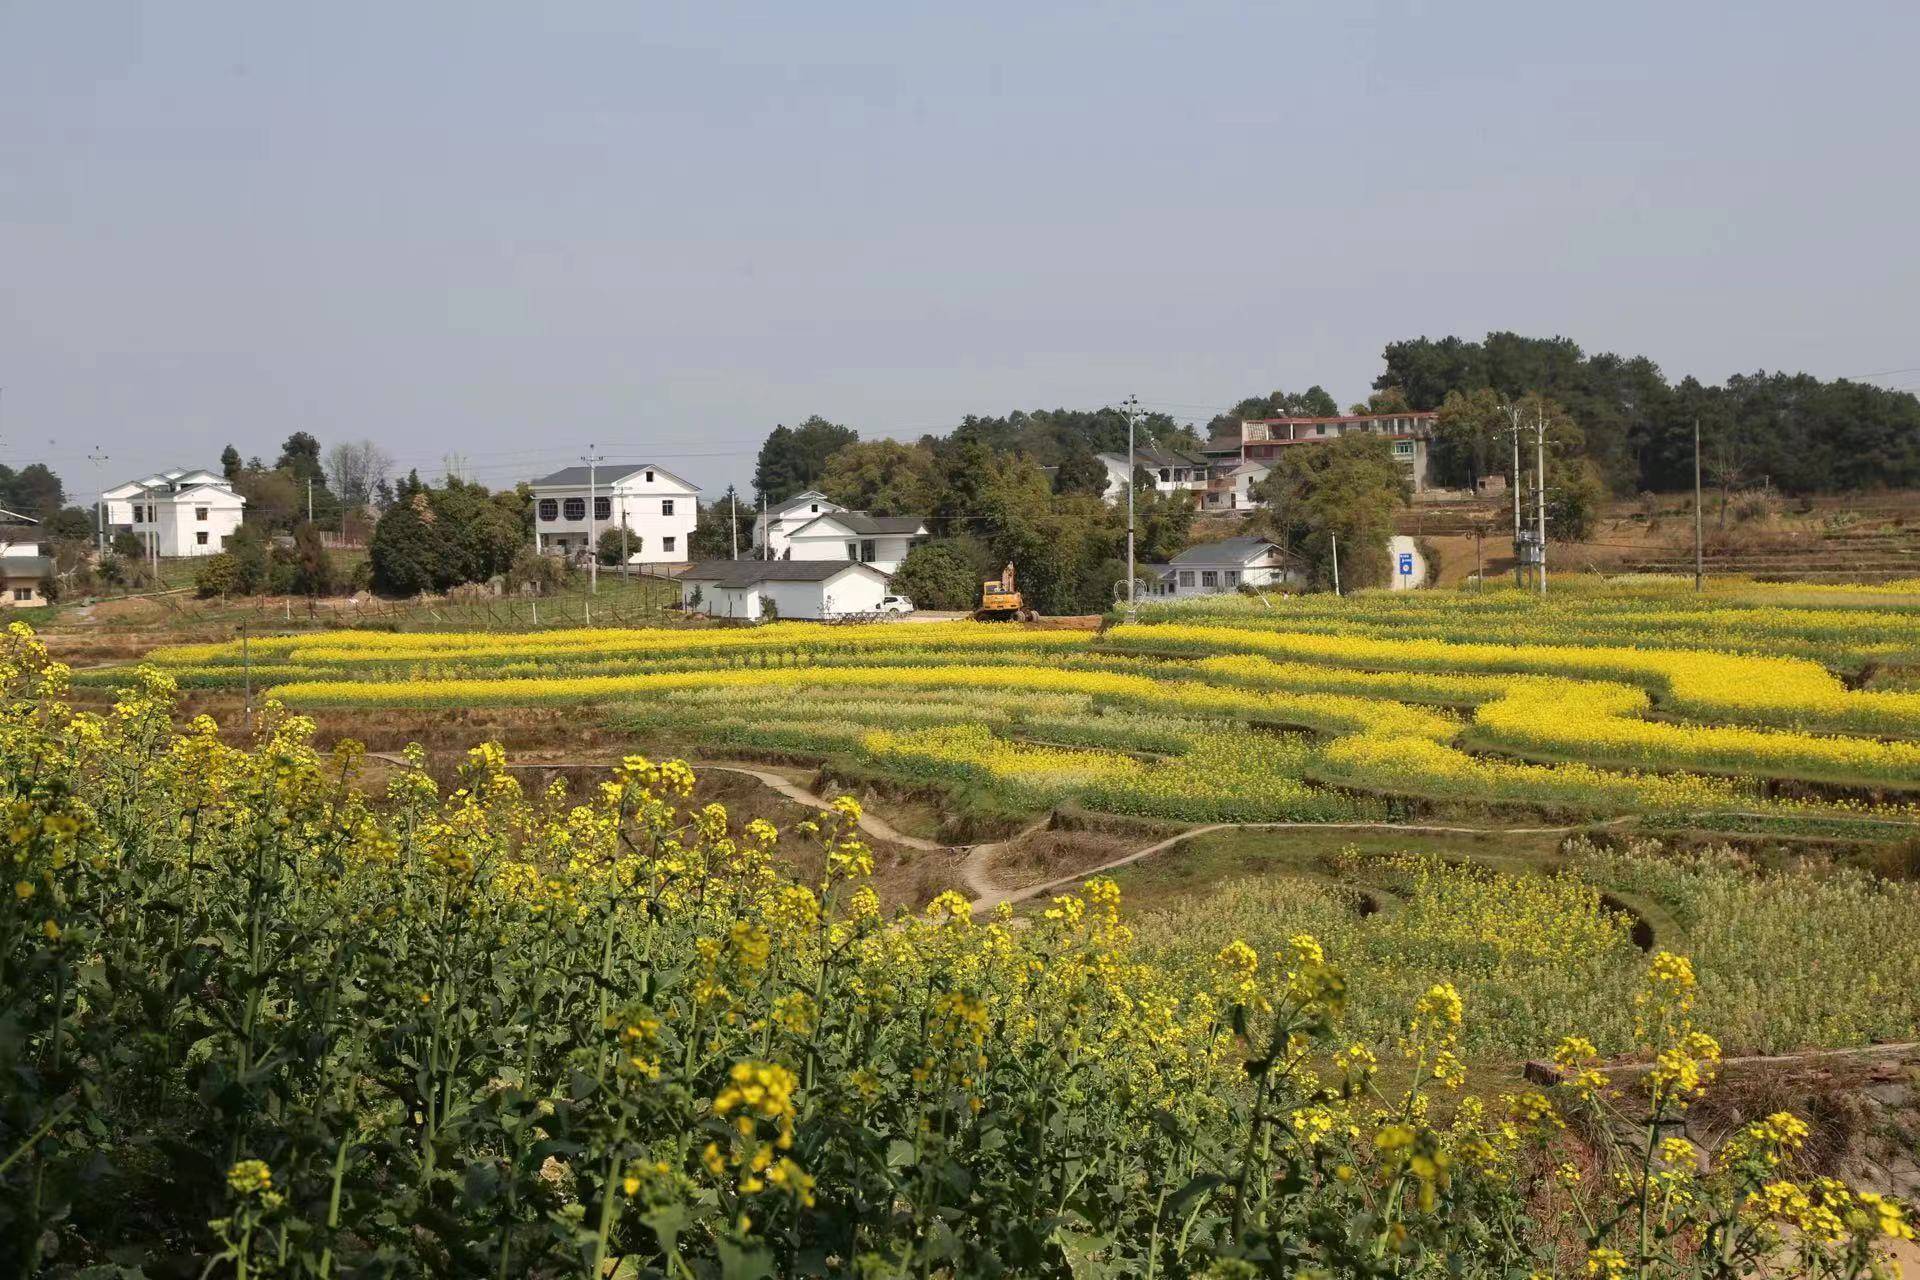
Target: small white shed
pixel 753 590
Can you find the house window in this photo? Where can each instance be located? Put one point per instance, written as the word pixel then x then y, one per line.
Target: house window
pixel 1403 448
pixel 666 506
pixel 667 543
pixel 549 509
pixel 201 537
pixel 1319 431
pixel 1186 577
pixel 603 508
pixel 199 513
pixel 814 507
pixel 23 593
pixel 1230 577
pixel 576 508
pixel 853 551
pixel 649 477
pixel 1208 578
pixel 866 551
pixel 1164 475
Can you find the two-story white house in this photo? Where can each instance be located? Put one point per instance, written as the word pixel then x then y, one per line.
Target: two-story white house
pixel 574 506
pixel 772 527
pixel 185 512
pixel 881 541
pixel 1171 470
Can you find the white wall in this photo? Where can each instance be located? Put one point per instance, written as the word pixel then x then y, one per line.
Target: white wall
pixel 723 602
pixel 853 591
pixel 1402 549
pixel 175 523
pixel 636 500
pixel 1117 473
pixel 889 549
pixel 774 530
pixel 1266 573
pixel 849 592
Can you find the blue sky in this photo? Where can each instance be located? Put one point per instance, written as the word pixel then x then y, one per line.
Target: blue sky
pixel 510 230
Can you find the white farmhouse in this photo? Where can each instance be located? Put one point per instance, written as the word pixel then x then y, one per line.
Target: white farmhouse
pixel 1171 470
pixel 186 512
pixel 1232 489
pixel 881 541
pixel 772 528
pixel 24 567
pixel 658 508
pixel 1212 568
pixel 752 590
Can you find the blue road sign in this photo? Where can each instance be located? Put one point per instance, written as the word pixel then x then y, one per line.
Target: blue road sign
pixel 1406 564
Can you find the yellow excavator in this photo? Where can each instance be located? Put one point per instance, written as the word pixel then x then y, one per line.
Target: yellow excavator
pixel 1000 600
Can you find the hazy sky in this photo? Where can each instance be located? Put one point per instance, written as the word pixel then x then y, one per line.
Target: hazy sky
pixel 509 230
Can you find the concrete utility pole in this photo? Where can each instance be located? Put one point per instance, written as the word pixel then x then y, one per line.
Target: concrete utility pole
pixel 733 522
pixel 1513 416
pixel 766 531
pixel 152 538
pixel 624 557
pixel 1132 404
pixel 593 461
pixel 1540 461
pixel 99 501
pixel 309 499
pixel 1699 542
pixel 1335 539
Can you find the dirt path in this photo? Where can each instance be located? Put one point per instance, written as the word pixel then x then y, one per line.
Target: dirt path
pixel 988 896
pixel 876 827
pixel 976 865
pixel 976 870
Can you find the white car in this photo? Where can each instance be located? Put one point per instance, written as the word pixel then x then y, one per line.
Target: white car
pixel 895 604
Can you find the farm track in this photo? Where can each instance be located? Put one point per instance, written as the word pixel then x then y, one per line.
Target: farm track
pixel 976 865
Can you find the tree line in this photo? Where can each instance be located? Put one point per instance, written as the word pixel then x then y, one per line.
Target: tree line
pixel 1791 431
pixel 1024 487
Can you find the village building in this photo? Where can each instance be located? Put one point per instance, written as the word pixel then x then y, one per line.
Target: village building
pixel 1262 440
pixel 1170 470
pixel 25 567
pixel 773 527
pixel 574 506
pixel 881 541
pixel 1212 568
pixel 177 513
pixel 762 590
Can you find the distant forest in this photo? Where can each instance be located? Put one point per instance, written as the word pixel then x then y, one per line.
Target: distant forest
pixel 1617 417
pixel 1788 430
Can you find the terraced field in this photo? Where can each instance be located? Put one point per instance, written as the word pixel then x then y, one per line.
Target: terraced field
pixel 1637 712
pixel 1731 710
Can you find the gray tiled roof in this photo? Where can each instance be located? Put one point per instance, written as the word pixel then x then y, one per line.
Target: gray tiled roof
pixel 605 473
pixel 862 523
pixel 745 573
pixel 1225 551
